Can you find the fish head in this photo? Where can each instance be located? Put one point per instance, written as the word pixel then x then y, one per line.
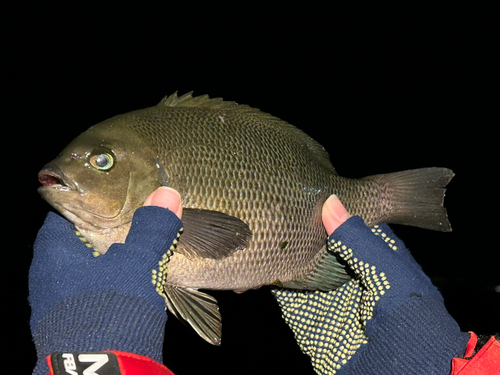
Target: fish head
pixel 100 179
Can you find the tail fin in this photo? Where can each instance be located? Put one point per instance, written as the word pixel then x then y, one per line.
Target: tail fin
pixel 417 197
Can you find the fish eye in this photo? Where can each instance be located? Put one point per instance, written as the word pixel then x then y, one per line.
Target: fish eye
pixel 103 162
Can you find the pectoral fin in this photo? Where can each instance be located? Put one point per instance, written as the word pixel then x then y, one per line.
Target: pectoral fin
pixel 198 309
pixel 212 234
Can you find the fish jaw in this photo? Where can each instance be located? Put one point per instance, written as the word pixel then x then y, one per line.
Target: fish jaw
pixel 56 187
pixel 65 196
pixel 58 191
pixel 102 239
pixel 52 177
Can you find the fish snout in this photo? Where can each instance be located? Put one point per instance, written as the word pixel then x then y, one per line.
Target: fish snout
pixel 51 176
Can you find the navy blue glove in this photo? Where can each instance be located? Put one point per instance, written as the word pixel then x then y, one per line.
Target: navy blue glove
pixel 389 319
pixel 81 302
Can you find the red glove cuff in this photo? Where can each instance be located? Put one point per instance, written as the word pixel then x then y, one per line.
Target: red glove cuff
pixel 104 363
pixel 485 361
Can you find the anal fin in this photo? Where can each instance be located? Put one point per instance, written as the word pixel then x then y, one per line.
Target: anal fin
pixel 328 274
pixel 198 309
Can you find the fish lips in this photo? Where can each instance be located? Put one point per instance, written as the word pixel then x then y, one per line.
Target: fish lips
pixel 52 178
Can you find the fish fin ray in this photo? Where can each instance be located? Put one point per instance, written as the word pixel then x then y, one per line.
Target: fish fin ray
pixel 188 100
pixel 197 309
pixel 212 234
pixel 329 273
pixel 204 101
pixel 417 197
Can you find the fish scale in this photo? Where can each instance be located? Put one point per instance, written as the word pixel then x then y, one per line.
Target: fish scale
pixel 259 198
pixel 257 150
pixel 252 188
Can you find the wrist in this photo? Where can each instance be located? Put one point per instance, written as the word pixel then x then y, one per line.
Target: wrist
pixel 419 336
pixel 482 356
pixel 97 321
pixel 109 362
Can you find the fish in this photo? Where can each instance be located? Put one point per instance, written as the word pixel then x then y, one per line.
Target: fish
pixel 252 188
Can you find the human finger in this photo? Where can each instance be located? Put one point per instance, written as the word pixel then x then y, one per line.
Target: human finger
pixel 166 197
pixel 334 214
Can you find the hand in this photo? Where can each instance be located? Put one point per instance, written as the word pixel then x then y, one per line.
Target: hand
pixel 389 319
pixel 84 303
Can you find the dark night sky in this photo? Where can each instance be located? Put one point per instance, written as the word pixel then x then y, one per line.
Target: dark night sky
pixel 380 99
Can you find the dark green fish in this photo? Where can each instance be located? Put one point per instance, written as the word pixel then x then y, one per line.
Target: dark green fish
pixel 252 187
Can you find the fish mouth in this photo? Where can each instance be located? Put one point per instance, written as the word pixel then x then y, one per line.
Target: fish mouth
pixel 50 177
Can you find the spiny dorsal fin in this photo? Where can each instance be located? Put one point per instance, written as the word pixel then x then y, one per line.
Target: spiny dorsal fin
pixel 204 101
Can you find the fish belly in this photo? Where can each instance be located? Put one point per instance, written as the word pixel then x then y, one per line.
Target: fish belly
pixel 288 241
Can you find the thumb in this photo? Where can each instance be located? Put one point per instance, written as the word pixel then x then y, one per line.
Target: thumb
pixel 153 226
pixel 334 214
pixel 167 198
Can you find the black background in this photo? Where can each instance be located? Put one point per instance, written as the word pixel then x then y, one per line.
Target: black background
pixel 383 91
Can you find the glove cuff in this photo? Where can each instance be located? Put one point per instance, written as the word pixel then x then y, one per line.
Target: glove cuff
pixel 97 321
pixel 419 337
pixel 108 362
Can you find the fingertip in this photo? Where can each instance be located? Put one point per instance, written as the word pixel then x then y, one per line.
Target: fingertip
pixel 334 214
pixel 166 197
pixel 148 200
